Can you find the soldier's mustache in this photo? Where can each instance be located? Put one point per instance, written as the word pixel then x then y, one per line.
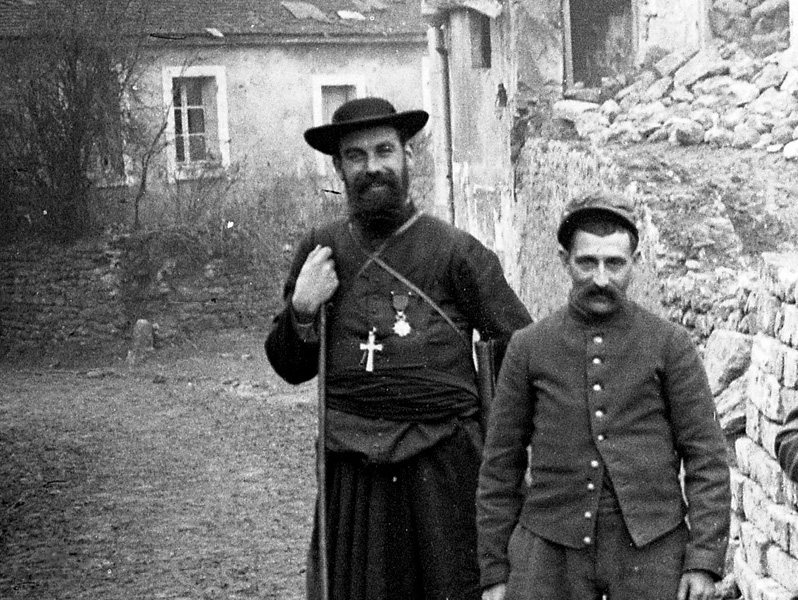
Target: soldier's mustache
pixel 596 293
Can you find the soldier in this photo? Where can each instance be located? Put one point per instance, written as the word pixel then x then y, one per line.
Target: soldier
pixel 611 401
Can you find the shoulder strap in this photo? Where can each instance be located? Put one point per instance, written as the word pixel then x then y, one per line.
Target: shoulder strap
pixel 413 287
pixel 374 257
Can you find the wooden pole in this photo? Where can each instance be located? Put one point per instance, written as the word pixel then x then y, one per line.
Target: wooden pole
pixel 321 458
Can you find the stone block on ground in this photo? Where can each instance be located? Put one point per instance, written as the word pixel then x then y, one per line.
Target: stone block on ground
pixel 143 341
pixel 671 63
pixel 771 75
pixel 727 357
pixel 790 151
pixel 706 63
pixel 570 110
pixel 730 406
pixel 774 103
pixel 719 137
pixel 744 136
pixel 686 132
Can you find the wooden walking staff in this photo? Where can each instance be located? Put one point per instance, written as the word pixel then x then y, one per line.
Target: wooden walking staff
pixel 321 451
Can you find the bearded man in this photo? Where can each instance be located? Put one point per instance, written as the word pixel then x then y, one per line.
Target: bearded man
pixel 602 405
pixel 404 293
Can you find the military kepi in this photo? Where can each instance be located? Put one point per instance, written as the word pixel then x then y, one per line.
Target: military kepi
pixel 616 207
pixel 364 113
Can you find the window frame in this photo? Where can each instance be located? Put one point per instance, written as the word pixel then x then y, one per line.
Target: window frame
pixel 480 31
pixel 177 171
pixel 323 164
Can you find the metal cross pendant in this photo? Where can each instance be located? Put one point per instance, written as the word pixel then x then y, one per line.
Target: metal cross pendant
pixel 369 348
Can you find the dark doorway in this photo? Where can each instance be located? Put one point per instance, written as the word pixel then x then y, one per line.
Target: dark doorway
pixel 601 40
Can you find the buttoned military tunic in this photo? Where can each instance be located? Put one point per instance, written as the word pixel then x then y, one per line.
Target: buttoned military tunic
pixel 623 399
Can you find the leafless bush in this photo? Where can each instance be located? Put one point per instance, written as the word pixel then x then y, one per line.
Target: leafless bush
pixel 61 121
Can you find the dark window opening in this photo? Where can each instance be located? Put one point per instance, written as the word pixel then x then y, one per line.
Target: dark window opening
pixel 480 40
pixel 602 40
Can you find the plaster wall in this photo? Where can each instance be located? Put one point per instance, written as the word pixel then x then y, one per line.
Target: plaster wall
pixel 482 118
pixel 538 48
pixel 671 25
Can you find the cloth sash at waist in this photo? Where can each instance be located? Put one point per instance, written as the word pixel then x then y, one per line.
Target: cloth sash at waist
pixel 416 395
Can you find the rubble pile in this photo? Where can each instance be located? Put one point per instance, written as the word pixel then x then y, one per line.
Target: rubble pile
pixel 722 96
pixel 761 26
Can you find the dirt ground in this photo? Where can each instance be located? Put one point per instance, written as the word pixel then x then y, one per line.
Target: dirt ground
pixel 189 476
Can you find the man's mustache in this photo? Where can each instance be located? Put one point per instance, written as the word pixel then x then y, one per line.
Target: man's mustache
pixel 597 293
pixel 364 181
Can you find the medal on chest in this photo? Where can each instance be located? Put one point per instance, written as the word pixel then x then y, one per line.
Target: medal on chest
pixel 401 326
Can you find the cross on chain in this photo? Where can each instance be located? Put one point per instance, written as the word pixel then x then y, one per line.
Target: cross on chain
pixel 369 348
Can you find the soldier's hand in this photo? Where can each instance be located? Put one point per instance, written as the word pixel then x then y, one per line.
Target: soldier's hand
pixel 495 592
pixel 696 585
pixel 316 283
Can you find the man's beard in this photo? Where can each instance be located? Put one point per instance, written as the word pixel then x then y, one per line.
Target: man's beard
pixel 378 201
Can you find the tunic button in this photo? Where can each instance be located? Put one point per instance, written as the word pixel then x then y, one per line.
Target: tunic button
pixel 600 437
pixel 598 339
pixel 596 387
pixel 594 464
pixel 596 360
pixel 591 486
pixel 587 540
pixel 588 515
pixel 599 413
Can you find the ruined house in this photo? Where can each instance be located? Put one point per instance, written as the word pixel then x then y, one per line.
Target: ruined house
pixel 500 66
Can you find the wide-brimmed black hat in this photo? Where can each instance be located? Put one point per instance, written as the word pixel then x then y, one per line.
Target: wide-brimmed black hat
pixel 616 207
pixel 364 113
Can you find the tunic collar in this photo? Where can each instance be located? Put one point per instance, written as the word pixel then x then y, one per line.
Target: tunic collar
pixel 613 319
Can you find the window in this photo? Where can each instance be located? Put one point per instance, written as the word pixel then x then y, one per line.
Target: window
pixel 479 25
pixel 333 96
pixel 197 127
pixel 330 92
pixel 195 119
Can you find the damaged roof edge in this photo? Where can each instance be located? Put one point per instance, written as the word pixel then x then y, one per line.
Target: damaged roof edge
pixel 489 8
pixel 192 39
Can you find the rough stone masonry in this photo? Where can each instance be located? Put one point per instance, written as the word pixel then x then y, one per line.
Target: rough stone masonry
pixel 754 377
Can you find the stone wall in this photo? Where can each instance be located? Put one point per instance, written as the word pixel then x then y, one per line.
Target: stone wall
pixel 93 292
pixel 762 26
pixel 722 96
pixel 706 300
pixel 754 377
pixel 57 294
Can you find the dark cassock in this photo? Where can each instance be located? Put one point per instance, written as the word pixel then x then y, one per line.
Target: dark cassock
pixel 403 436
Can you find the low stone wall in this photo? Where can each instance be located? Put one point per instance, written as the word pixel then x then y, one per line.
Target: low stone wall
pixel 703 301
pixel 57 294
pixel 755 380
pixel 93 292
